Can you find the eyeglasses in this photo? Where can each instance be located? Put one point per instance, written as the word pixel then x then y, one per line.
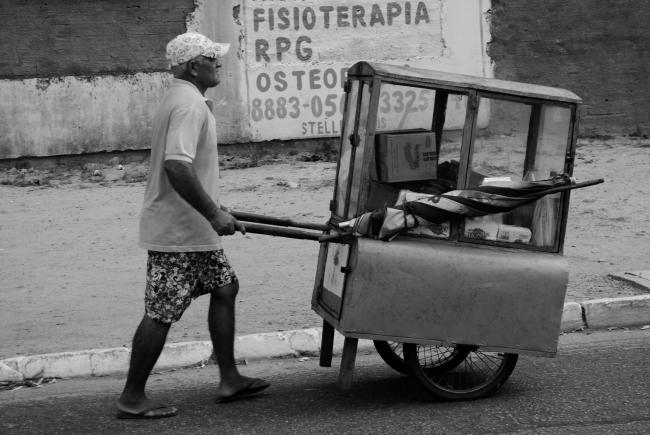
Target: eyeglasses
pixel 213 60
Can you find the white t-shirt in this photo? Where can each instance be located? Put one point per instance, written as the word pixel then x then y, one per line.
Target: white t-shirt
pixel 183 129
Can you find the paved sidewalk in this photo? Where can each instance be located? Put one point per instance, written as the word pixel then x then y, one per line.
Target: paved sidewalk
pixel 626 312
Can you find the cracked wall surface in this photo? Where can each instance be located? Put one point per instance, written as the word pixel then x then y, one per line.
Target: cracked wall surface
pixel 80 76
pixel 86 37
pixel 598 49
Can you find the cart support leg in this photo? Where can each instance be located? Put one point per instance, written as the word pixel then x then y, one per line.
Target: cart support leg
pixel 326 345
pixel 347 362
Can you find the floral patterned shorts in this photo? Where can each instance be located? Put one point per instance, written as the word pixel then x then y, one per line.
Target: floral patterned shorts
pixel 175 278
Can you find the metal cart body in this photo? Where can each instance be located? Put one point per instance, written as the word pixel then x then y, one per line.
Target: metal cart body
pixel 411 291
pixel 449 288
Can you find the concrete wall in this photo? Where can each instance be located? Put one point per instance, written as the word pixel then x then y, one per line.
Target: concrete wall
pixel 598 49
pixel 80 76
pixel 287 69
pixel 84 76
pixel 73 115
pixel 86 37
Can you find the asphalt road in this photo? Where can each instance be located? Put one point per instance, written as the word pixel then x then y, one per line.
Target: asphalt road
pixel 598 384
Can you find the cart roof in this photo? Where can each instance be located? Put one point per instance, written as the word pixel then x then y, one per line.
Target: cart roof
pixel 460 81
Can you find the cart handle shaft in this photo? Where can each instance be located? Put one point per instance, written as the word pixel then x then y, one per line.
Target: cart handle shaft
pixel 575 186
pixel 271 220
pixel 279 231
pixel 291 233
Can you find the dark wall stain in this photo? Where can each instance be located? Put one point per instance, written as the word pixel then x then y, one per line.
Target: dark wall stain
pixel 236 14
pixel 87 37
pixel 598 49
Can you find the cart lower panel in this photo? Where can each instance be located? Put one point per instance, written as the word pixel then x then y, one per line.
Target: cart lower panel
pixel 411 291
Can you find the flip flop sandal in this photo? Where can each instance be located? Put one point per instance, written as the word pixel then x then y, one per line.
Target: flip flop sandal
pixel 153 413
pixel 253 388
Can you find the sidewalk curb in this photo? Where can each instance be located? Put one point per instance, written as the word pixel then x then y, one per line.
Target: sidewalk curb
pixel 101 362
pixel 622 312
pixel 592 314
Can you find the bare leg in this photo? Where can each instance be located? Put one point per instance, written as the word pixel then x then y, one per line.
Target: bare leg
pixel 148 343
pixel 221 321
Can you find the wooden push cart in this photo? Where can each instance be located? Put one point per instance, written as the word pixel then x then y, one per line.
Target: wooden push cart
pixel 451 302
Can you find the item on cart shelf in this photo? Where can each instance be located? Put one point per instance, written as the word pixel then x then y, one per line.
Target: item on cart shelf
pixel 498 181
pixel 413 209
pixel 481 229
pixel 544 221
pixel 513 234
pixel 430 229
pixel 491 228
pixel 406 156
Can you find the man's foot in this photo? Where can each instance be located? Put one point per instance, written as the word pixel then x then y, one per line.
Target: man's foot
pixel 148 409
pixel 246 388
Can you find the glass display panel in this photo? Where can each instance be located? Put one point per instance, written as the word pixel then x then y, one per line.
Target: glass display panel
pixel 456 110
pixel 404 108
pixel 359 153
pixel 553 138
pixel 521 142
pixel 346 149
pixel 448 159
pixel 450 144
pixel 417 151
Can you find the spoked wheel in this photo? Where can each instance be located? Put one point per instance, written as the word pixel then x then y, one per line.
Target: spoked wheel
pixel 479 374
pixel 391 353
pixel 438 357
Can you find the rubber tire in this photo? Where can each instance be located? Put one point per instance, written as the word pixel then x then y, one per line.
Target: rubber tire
pixel 395 360
pixel 426 376
pixel 386 351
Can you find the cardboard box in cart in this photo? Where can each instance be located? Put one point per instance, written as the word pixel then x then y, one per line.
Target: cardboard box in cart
pixel 406 156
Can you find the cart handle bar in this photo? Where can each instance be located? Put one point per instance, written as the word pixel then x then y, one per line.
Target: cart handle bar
pixel 271 220
pixel 291 233
pixel 575 186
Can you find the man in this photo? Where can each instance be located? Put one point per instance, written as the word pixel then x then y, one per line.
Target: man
pixel 180 226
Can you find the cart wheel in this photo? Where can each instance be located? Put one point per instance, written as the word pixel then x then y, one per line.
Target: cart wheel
pixel 391 353
pixel 479 374
pixel 439 357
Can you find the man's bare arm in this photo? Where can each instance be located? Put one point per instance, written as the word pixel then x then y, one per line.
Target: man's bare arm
pixel 185 182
